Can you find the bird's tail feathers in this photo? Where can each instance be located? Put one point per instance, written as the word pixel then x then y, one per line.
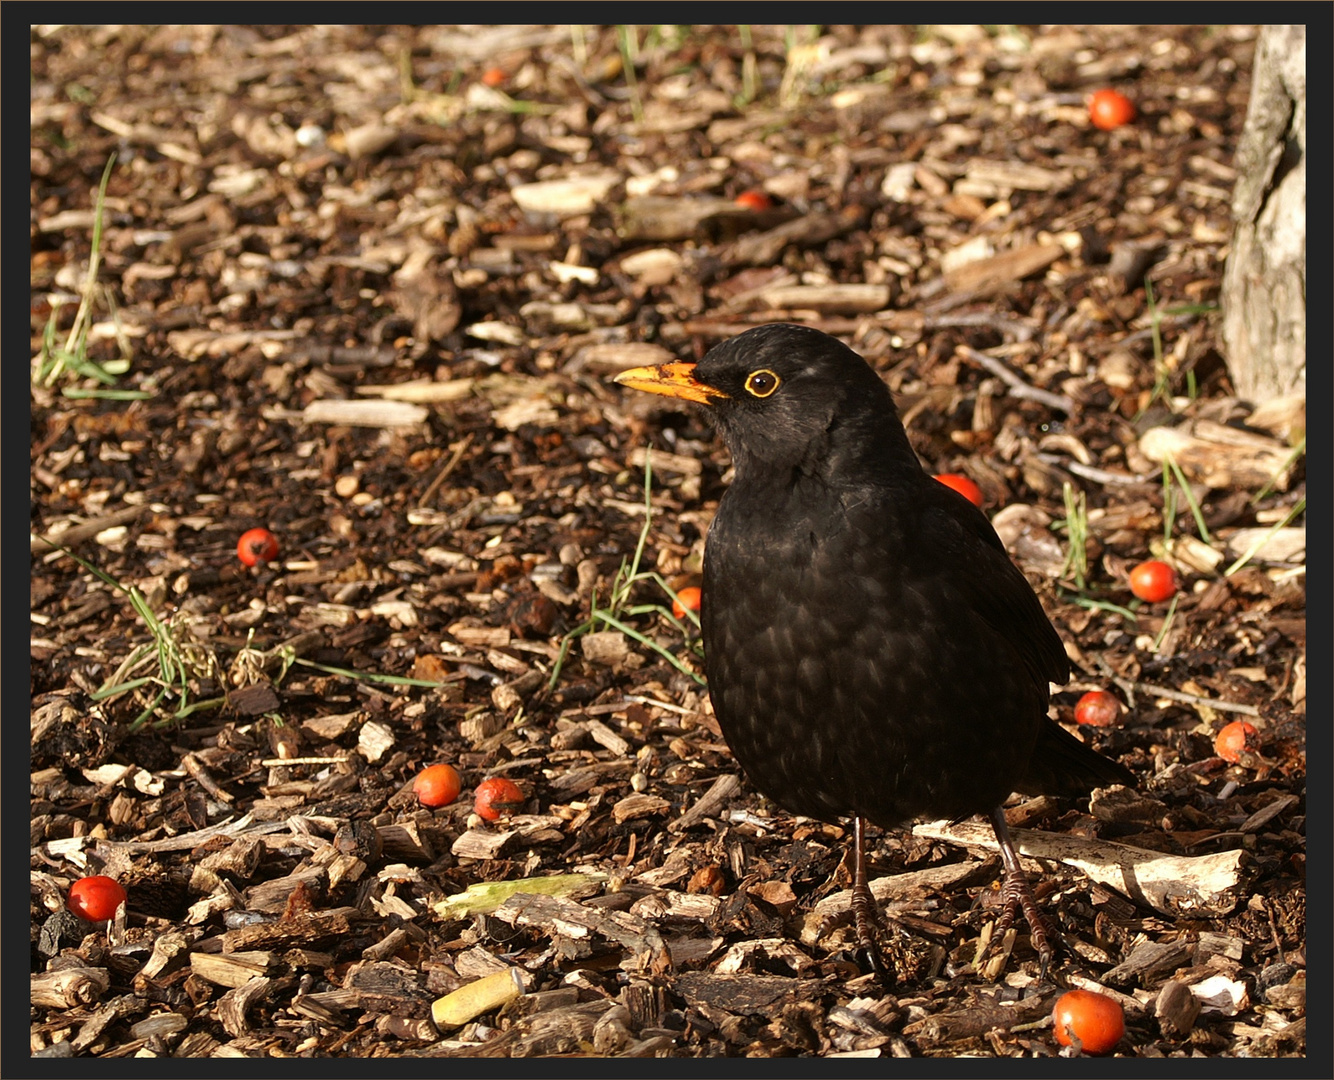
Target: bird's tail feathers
pixel 1062 765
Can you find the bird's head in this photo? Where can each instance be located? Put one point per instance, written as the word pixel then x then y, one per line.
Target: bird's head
pixel 784 397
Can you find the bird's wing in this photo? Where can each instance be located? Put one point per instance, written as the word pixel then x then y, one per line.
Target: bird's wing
pixel 989 582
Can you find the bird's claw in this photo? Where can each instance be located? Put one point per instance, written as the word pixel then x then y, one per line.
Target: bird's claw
pixel 867 924
pixel 1016 898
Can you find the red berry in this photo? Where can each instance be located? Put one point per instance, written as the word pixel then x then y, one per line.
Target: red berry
pixel 963 486
pixel 95 898
pixel 437 785
pixel 686 599
pixel 495 797
pixel 1098 708
pixel 1108 110
pixel 1153 581
pixel 494 76
pixel 257 546
pixel 1094 1019
pixel 1234 739
pixel 755 199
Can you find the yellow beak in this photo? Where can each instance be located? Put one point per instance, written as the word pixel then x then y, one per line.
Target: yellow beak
pixel 673 380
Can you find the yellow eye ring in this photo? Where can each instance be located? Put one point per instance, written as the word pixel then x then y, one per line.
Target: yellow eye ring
pixel 762 383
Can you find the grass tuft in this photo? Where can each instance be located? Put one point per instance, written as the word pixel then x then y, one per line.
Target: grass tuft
pixel 613 614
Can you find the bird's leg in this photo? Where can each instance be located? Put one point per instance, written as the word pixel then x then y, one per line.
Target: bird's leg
pixel 863 904
pixel 1017 895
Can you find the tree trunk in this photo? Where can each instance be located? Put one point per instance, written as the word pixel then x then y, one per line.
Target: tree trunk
pixel 1264 283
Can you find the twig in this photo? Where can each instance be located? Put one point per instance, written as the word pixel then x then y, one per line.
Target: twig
pixel 1130 686
pixel 1016 329
pixel 246 824
pixel 278 763
pixel 1165 322
pixel 642 700
pixel 1018 388
pixel 443 475
pixel 1090 472
pixel 1192 699
pixel 196 768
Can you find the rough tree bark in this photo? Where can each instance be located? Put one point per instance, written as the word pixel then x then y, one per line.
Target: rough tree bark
pixel 1264 283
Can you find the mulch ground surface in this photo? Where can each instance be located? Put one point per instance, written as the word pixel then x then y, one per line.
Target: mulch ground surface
pixel 367 288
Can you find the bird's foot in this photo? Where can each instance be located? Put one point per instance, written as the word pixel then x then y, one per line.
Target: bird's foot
pixel 1016 898
pixel 863 918
pixel 867 924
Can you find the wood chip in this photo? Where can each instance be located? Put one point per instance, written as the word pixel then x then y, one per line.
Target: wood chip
pixel 983 277
pixel 1219 994
pixel 837 299
pixel 557 915
pixel 607 647
pixel 979 1019
pixel 671 904
pixel 658 217
pixel 665 462
pixel 68 987
pixel 999 177
pixel 565 197
pixel 1220 456
pixel 300 931
pixel 777 893
pixel 747 995
pixel 1175 1009
pixel 234 969
pixel 617 356
pixel 421 391
pixel 710 804
pixel 1267 813
pixel 232 1007
pixel 377 414
pixel 764 952
pixel 1147 959
pixel 1267 545
pixel 481 843
pixel 607 738
pixel 76 534
pixel 637 806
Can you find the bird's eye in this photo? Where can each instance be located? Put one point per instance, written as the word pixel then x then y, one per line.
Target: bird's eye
pixel 762 383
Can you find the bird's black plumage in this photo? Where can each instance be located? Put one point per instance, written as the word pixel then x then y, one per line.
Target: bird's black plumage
pixel 871 650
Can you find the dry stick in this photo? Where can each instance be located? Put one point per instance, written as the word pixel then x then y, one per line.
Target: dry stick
pixel 1018 388
pixel 246 824
pixel 279 762
pixel 1130 686
pixel 1089 472
pixel 1166 322
pixel 443 475
pixel 1192 699
pixel 196 768
pixel 1020 331
pixel 643 700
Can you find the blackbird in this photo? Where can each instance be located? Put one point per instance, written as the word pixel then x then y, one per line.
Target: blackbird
pixel 870 649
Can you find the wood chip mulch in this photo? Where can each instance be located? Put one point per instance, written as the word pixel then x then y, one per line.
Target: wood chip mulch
pixel 373 284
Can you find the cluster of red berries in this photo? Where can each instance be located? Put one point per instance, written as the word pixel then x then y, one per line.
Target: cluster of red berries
pixel 439 785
